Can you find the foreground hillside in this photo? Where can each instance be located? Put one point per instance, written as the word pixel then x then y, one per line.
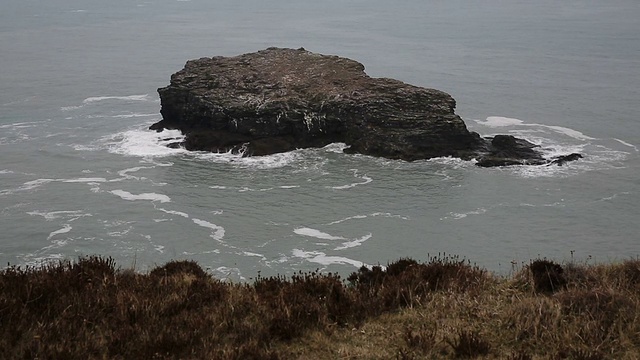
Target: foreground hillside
pixel 444 308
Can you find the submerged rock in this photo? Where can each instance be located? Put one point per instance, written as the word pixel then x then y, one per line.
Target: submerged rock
pixel 561 160
pixel 277 100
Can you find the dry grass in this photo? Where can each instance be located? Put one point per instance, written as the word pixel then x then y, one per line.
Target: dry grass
pixel 444 308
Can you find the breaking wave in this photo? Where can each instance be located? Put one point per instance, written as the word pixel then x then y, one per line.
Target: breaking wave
pixel 553 141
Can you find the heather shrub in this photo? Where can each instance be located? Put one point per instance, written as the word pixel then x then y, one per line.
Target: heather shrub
pixel 183 267
pixel 444 308
pixel 422 338
pixel 469 344
pixel 547 276
pixel 405 282
pixel 306 300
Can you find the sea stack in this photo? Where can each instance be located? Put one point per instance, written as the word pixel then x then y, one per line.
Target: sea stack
pixel 277 100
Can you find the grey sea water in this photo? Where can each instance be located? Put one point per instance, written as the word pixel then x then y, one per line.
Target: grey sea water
pixel 81 175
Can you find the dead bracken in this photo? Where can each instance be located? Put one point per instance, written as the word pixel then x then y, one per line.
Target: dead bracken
pixel 443 308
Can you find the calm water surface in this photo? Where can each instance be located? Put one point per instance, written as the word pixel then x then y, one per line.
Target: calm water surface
pixel 80 174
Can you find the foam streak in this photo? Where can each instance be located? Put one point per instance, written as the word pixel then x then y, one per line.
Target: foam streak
pixel 145 196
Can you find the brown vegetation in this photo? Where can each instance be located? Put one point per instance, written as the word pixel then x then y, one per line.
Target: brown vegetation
pixel 444 308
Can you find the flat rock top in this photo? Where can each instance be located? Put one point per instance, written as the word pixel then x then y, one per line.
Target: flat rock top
pixel 278 75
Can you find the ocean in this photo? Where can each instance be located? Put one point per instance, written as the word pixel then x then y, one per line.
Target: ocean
pixel 80 174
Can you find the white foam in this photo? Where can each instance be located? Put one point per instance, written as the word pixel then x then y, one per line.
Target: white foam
pixel 526 131
pixel 144 97
pixel 324 236
pixel 322 258
pixel 161 164
pixel 70 108
pixel 499 121
pixel 35 260
pixel 566 131
pixel 215 251
pixel 21 125
pixel 29 185
pixel 348 186
pixel 145 143
pixel 337 148
pixel 596 156
pixel 550 151
pixel 56 134
pixel 543 171
pixel 455 163
pixel 316 234
pixel 273 161
pixel 16 138
pixel 66 228
pixel 613 196
pixel 218 233
pixel 387 215
pixel 173 212
pixel 120 233
pixel 355 174
pixel 116 223
pixel 134 115
pixel 145 196
pixel 245 189
pixel 52 215
pixel 347 219
pixel 354 243
pixel 35 183
pixel 95 99
pixel 125 173
pixel 627 144
pixel 84 147
pixel 5 171
pixel 248 189
pixel 85 180
pixel 458 216
pixel 247 253
pixel 227 272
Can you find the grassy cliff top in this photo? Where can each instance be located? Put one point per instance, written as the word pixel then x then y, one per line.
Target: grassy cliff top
pixel 444 308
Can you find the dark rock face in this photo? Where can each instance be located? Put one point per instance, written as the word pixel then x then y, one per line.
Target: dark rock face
pixel 504 150
pixel 277 100
pixel 561 160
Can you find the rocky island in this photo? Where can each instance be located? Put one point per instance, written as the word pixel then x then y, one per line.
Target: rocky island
pixel 277 100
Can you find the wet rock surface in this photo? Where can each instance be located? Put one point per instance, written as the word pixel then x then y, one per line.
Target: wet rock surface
pixel 277 100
